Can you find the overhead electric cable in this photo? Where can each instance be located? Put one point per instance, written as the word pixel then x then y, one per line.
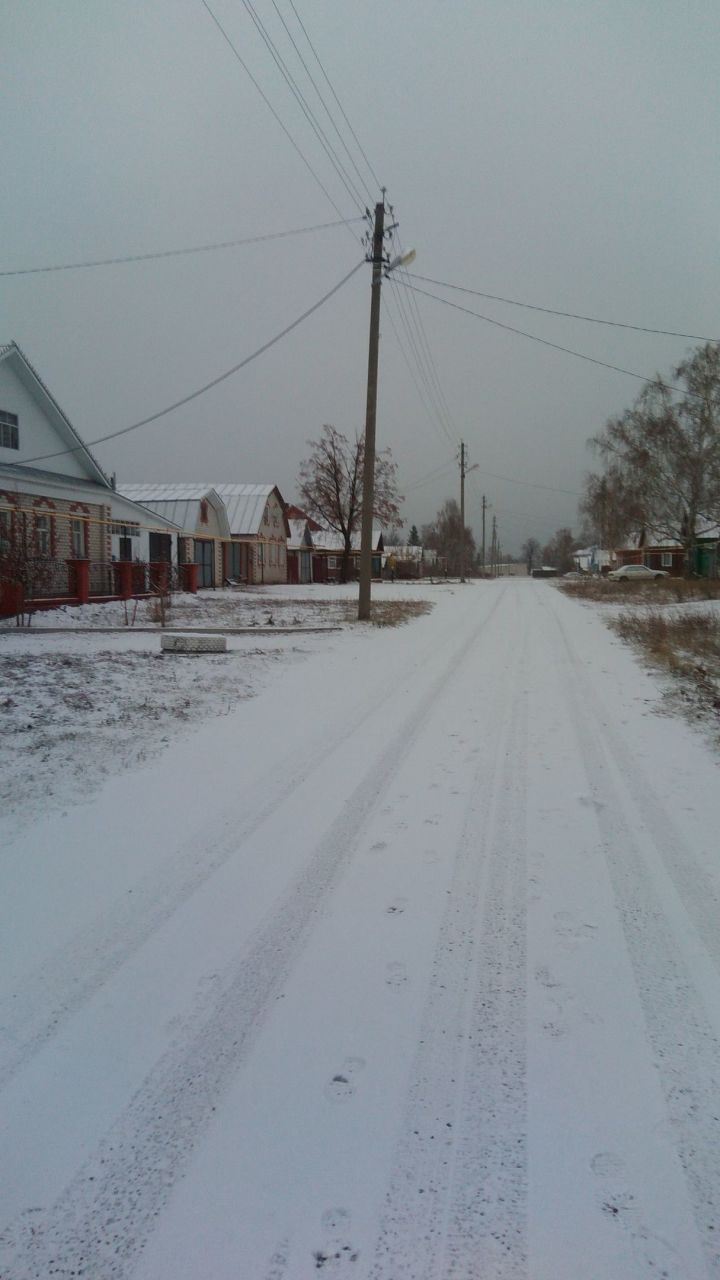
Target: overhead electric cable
pixel 419 325
pixel 272 110
pixel 304 106
pixel 328 112
pixel 550 311
pixel 526 484
pixel 431 412
pixel 161 413
pixel 372 172
pixel 430 392
pixel 176 253
pixel 579 355
pixel 425 345
pixel 433 475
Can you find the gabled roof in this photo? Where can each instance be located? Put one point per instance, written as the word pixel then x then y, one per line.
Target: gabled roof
pixel 330 540
pixel 179 503
pixel 67 434
pixel 299 535
pixel 245 504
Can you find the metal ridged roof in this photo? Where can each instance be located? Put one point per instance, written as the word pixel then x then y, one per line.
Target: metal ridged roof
pixel 245 505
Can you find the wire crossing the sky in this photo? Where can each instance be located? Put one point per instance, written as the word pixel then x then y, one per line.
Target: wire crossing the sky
pixel 177 253
pixel 549 311
pixel 568 351
pixel 161 413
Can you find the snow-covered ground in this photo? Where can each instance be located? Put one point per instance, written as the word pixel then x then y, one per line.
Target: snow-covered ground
pixel 406 966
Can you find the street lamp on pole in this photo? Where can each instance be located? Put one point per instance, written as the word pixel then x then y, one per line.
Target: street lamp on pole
pixel 380 267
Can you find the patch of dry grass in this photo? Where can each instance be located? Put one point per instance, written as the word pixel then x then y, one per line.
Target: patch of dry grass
pixel 652 590
pixel 391 613
pixel 685 645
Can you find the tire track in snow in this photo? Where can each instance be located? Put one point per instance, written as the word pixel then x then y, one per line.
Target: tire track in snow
pixel 456 1204
pixel 103 1218
pixel 685 1049
pixel 44 1001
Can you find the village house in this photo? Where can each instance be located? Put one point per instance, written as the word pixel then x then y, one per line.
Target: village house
pixel 328 551
pixel 257 550
pixel 59 510
pixel 655 552
pixel 200 513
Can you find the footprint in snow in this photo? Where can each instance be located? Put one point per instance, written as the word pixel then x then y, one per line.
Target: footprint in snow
pixel 341 1086
pixel 378 846
pixel 397 907
pixel 569 926
pixel 607 1164
pixel 396 974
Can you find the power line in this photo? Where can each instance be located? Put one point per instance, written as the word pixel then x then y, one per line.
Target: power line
pixel 411 371
pixel 372 172
pixel 304 106
pixel 153 417
pixel 579 355
pixel 425 346
pixel 436 474
pixel 437 412
pixel 568 315
pixel 176 253
pixel 271 109
pixel 527 484
pixel 328 112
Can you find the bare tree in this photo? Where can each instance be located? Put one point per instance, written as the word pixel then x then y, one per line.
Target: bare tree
pixel 664 454
pixel 331 486
pixel 444 536
pixel 531 553
pixel 24 567
pixel 559 551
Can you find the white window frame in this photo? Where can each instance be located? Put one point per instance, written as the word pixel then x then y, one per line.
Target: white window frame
pixel 9 430
pixel 78 538
pixel 43 533
pixel 666 559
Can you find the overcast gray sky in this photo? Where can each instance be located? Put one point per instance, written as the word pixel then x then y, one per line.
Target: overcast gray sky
pixel 560 153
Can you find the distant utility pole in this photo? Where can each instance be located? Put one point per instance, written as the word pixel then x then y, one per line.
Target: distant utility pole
pixel 493 551
pixel 370 413
pixel 380 266
pixel 464 469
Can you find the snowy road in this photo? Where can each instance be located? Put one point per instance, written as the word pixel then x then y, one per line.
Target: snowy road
pixel 407 968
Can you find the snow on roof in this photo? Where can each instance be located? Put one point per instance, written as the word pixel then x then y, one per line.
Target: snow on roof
pixel 404 551
pixel 330 540
pixel 297 533
pixel 179 503
pixel 245 505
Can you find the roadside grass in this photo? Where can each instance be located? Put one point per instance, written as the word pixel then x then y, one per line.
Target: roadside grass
pixel 391 613
pixel 660 590
pixel 684 645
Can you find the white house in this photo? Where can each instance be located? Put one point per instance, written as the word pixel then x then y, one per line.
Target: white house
pixel 56 500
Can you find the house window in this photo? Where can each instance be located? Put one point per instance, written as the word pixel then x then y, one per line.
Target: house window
pixel 666 560
pixel 78 539
pixel 42 535
pixel 332 562
pixel 5 532
pixel 9 435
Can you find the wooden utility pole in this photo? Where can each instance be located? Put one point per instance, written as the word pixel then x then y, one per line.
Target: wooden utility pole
pixel 366 548
pixel 462 511
pixel 484 509
pixel 493 552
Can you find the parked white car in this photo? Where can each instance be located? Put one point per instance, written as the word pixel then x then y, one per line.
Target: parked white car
pixel 636 573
